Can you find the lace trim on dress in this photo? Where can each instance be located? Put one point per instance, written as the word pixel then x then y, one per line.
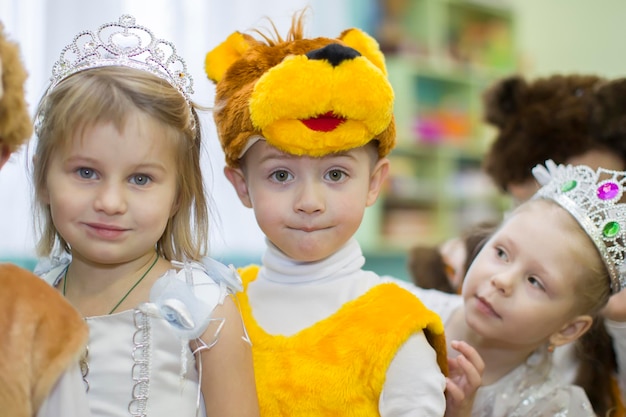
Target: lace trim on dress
pixel 141 369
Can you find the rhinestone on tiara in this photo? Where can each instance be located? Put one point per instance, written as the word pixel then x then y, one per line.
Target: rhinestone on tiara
pixel 123 43
pixel 593 199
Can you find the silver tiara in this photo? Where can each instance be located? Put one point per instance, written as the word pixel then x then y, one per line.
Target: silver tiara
pixel 123 43
pixel 593 199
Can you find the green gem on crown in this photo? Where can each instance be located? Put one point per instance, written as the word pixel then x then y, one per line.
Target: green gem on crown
pixel 611 229
pixel 569 185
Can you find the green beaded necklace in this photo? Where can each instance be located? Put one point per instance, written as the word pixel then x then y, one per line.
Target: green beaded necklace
pixel 127 293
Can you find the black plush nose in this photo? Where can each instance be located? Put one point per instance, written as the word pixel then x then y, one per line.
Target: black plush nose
pixel 334 53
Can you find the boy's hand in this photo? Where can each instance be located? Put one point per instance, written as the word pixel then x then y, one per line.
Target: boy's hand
pixel 465 377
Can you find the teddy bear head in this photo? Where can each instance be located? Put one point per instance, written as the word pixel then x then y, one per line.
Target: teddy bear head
pixel 548 118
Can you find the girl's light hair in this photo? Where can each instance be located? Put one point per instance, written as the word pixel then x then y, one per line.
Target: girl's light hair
pixel 593 283
pixel 109 95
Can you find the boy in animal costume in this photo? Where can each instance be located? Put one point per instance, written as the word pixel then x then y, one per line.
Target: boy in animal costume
pixel 42 335
pixel 306 125
pixel 572 119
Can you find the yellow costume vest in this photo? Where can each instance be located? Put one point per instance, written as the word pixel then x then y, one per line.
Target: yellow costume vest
pixel 337 367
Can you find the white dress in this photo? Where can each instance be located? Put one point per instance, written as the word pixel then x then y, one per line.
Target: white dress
pixel 533 389
pixel 138 362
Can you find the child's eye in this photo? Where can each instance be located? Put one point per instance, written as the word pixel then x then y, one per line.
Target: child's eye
pixel 500 253
pixel 140 179
pixel 536 283
pixel 85 173
pixel 281 176
pixel 335 175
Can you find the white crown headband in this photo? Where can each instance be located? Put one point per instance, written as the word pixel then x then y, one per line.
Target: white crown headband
pixel 123 44
pixel 593 199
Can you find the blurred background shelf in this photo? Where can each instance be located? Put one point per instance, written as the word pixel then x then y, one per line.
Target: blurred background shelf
pixel 441 56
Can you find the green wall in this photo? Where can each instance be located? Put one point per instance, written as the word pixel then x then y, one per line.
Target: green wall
pixel 572 36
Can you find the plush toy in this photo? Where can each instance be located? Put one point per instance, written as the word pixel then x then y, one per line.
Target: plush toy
pixel 41 333
pixel 547 118
pixel 15 124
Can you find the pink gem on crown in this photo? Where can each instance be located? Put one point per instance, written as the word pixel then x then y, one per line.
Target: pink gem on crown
pixel 608 191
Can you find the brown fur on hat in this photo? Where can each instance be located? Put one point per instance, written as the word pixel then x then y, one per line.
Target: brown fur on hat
pixel 15 123
pixel 548 118
pixel 303 96
pixel 42 334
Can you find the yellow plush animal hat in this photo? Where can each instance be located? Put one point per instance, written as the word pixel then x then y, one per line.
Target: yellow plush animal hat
pixel 303 96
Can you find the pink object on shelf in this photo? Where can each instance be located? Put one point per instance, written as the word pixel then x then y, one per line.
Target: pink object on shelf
pixel 428 130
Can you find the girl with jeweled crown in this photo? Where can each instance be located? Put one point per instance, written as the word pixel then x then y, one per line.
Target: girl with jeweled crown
pixel 536 284
pixel 121 197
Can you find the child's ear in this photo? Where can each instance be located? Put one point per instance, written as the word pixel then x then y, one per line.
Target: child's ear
pixel 377 179
pixel 572 330
pixel 238 180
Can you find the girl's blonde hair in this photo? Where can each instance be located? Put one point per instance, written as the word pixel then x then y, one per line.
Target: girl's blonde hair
pixel 109 95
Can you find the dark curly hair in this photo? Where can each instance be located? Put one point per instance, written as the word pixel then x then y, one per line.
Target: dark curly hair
pixel 548 118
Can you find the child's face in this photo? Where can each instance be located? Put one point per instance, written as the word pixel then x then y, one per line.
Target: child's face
pixel 521 288
pixel 308 207
pixel 111 193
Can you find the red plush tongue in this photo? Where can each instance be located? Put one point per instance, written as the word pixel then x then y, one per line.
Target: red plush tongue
pixel 324 123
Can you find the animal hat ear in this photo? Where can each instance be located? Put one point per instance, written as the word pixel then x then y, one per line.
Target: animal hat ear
pixel 366 45
pixel 225 54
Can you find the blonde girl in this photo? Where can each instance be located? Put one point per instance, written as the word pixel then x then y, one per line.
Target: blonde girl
pixel 124 217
